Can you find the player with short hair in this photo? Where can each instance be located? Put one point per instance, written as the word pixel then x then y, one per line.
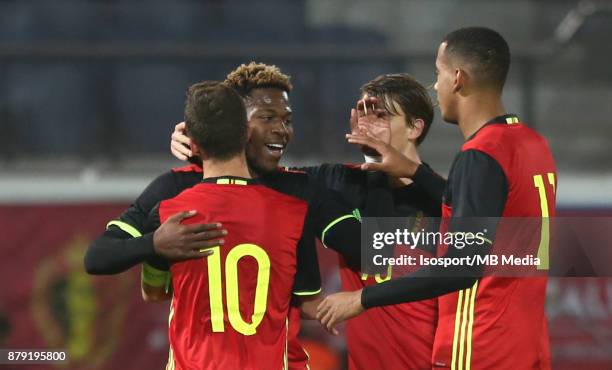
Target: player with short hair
pixel 504 169
pixel 124 244
pixel 269 114
pixel 407 104
pixel 265 92
pixel 269 250
pixel 267 245
pixel 399 336
pixel 404 103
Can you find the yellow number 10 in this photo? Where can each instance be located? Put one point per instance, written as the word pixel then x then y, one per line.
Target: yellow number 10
pixel 543 248
pixel 231 288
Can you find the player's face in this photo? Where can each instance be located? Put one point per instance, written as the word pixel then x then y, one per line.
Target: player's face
pixel 400 131
pixel 270 128
pixel 444 85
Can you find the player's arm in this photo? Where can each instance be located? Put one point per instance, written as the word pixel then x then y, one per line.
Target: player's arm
pixel 307 283
pixel 431 181
pixel 155 274
pixel 125 244
pixel 479 189
pixel 308 305
pixel 339 227
pixel 325 175
pixel 116 250
pixel 395 164
pixel 155 283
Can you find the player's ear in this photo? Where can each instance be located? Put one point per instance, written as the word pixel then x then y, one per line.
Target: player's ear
pixel 416 129
pixel 249 132
pixel 460 79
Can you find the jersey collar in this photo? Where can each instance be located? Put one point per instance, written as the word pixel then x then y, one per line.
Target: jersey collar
pixel 229 180
pixel 507 119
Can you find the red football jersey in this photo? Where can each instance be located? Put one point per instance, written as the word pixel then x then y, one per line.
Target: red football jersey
pixel 390 337
pixel 298 357
pixel 500 323
pixel 230 309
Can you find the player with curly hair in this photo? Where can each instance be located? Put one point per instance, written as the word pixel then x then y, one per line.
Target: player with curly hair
pixel 402 335
pixel 265 91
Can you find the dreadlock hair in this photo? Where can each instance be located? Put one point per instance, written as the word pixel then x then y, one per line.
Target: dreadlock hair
pixel 257 76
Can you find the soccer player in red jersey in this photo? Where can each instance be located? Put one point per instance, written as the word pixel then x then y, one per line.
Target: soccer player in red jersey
pixel 410 111
pixel 397 336
pixel 263 261
pixel 504 169
pixel 231 311
pixel 266 90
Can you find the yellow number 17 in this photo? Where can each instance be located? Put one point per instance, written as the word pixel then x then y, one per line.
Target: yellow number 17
pixel 543 248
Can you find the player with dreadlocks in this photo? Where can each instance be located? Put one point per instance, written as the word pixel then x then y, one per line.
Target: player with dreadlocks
pixel 126 243
pixel 405 105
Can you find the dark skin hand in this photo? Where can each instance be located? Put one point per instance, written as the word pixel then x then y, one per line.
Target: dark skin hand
pixel 177 242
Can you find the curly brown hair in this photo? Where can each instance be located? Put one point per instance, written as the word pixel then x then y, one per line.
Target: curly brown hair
pixel 256 76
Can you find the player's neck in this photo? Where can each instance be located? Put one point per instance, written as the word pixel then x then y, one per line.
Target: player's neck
pixel 477 111
pixel 409 150
pixel 235 166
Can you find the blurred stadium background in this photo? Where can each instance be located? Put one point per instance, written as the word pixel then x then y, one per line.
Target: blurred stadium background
pixel 90 92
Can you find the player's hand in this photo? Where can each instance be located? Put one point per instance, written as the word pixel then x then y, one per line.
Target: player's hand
pixel 177 242
pixel 361 108
pixel 353 121
pixel 179 143
pixel 368 116
pixel 393 163
pixel 376 121
pixel 337 308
